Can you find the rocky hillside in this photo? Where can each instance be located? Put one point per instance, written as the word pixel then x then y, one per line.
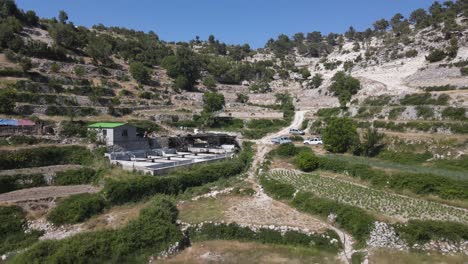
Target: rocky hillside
pixel 54 70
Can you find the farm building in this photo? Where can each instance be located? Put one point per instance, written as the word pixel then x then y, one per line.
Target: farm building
pixel 120 135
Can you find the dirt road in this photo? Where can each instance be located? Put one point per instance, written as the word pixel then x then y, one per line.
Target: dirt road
pixel 46 192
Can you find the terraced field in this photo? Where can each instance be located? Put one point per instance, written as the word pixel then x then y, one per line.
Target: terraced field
pixel 385 203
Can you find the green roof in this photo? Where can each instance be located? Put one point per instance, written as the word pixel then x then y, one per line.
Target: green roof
pixel 106 125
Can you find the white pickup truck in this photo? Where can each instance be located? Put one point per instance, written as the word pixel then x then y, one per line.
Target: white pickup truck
pixel 313 141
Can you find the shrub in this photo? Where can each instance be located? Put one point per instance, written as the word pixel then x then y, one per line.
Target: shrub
pixel 396 112
pixel 436 55
pixel 118 192
pixel 328 112
pixel 354 220
pixel 152 232
pixel 44 156
pixel 209 82
pixel 464 71
pixel 76 208
pixel 454 113
pixel 263 235
pixel 76 177
pixel 306 161
pixel 340 135
pixel 9 183
pixel 372 142
pixel 74 129
pixel 317 80
pixel 286 150
pixel 80 71
pixel 12 230
pixel 417 231
pixel 411 53
pixel 405 157
pixel 425 112
pixel 424 99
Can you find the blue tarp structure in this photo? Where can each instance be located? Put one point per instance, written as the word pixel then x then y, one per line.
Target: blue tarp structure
pixel 8 122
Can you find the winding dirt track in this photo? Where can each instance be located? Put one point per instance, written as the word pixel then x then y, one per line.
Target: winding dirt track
pixel 264 145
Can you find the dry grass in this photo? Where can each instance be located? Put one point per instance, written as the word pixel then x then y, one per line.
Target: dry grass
pixel 116 217
pixel 254 210
pixel 203 210
pixel 237 252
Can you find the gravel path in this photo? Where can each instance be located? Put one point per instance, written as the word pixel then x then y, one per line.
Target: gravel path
pixel 40 170
pixel 46 192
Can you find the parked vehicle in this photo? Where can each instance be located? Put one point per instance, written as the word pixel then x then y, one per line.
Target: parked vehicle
pixel 295 131
pixel 313 141
pixel 281 140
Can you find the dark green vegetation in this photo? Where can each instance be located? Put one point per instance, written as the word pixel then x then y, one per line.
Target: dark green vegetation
pixel 10 183
pixel 76 176
pixel 266 236
pixel 306 161
pixel 344 87
pixel 432 126
pixel 81 207
pixel 14 182
pixel 44 156
pixel 454 169
pixel 152 232
pixel 425 99
pixel 12 230
pixel 418 183
pixel 359 222
pixel 76 208
pixel 340 135
pixel 416 231
pixel 399 181
pixel 122 191
pixel 356 221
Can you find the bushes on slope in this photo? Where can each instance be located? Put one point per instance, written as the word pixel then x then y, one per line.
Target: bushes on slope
pixel 267 236
pixel 77 208
pixel 44 156
pixel 152 232
pixel 12 230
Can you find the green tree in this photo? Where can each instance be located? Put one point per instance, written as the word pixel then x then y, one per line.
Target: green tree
pixel 420 18
pixel 351 33
pixel 99 49
pixel 381 25
pixel 372 142
pixel 344 87
pixel 140 72
pixel 185 63
pixel 213 102
pixel 63 17
pixel 340 135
